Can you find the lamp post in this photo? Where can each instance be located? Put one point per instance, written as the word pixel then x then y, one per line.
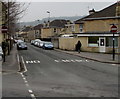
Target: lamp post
pixel 113 30
pixel 49 15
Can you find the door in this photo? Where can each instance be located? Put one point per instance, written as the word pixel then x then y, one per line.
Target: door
pixel 102 44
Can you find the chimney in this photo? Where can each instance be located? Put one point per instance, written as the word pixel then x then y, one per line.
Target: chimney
pixel 91 11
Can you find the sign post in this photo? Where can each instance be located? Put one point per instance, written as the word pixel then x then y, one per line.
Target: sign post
pixel 113 30
pixel 4 30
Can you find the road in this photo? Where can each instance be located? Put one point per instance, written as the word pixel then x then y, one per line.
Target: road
pixel 50 73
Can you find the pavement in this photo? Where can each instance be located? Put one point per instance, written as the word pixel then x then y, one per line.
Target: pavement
pixel 11 64
pixel 100 57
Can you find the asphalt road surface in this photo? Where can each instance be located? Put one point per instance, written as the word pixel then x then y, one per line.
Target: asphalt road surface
pixel 50 73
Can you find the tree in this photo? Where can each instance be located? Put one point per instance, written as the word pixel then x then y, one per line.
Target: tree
pixel 15 11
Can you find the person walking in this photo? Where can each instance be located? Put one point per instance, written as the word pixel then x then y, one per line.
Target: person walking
pixel 78 46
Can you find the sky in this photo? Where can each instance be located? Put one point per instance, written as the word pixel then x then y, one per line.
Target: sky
pixel 37 10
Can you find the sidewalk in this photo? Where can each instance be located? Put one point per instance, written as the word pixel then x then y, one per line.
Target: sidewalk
pixel 100 57
pixel 11 63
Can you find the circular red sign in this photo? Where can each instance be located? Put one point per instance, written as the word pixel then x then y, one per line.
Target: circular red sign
pixel 113 28
pixel 4 29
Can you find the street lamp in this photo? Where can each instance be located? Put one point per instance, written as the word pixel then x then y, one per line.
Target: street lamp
pixel 113 30
pixel 49 15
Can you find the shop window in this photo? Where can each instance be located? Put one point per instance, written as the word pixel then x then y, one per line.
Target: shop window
pixel 109 41
pixel 93 41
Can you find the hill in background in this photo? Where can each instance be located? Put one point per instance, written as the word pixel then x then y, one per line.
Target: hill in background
pixel 33 23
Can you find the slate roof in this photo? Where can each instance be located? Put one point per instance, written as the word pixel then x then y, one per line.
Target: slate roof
pixel 37 27
pixel 26 29
pixel 109 12
pixel 58 23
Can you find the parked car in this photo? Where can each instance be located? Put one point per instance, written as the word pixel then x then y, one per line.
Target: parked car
pixel 32 42
pixel 36 43
pixel 1 53
pixel 48 45
pixel 41 44
pixel 22 45
pixel 19 41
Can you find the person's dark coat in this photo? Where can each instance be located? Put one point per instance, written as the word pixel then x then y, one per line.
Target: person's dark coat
pixel 78 46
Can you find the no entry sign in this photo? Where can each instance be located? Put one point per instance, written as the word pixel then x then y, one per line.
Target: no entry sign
pixel 4 29
pixel 113 28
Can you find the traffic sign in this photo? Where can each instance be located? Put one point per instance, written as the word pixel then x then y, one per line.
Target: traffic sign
pixel 113 28
pixel 4 29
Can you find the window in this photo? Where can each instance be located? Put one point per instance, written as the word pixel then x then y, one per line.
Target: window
pixel 55 30
pixel 72 28
pixel 81 27
pixel 93 41
pixel 109 41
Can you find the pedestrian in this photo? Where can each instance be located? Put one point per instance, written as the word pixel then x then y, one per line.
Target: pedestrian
pixel 78 46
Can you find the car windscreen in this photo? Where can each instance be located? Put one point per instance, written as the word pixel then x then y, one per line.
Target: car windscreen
pixel 48 44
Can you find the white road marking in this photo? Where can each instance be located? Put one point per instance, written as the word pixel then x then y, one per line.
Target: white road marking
pixel 71 60
pixel 28 87
pixel 26 82
pixel 30 91
pixel 56 61
pixel 78 60
pixel 114 64
pixel 38 61
pixel 34 61
pixel 67 60
pixel 18 59
pixel 24 78
pixel 24 64
pixel 64 61
pixel 33 96
pixel 86 60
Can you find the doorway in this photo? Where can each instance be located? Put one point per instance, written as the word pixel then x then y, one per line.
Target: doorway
pixel 102 44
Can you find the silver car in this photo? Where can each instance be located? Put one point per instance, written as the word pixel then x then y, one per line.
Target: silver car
pixel 1 53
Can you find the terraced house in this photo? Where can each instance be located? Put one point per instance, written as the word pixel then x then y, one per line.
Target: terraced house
pixel 25 33
pixel 94 31
pixel 53 28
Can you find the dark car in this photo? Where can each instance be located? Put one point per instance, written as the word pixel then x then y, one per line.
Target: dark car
pixel 21 45
pixel 48 45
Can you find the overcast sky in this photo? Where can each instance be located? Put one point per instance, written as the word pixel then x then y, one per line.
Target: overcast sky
pixel 38 10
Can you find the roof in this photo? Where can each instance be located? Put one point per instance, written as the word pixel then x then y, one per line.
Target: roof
pixel 26 29
pixel 37 27
pixel 109 12
pixel 58 23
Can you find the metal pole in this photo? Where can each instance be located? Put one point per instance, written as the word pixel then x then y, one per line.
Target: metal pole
pixel 8 31
pixel 49 15
pixel 113 46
